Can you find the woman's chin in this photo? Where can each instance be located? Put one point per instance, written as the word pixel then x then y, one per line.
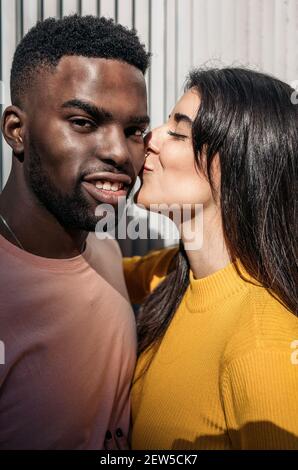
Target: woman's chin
pixel 141 199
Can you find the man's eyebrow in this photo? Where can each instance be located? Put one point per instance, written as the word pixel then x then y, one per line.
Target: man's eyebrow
pixel 99 114
pixel 178 117
pixel 140 119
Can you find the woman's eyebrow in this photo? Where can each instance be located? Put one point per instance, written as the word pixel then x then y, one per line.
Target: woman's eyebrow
pixel 178 117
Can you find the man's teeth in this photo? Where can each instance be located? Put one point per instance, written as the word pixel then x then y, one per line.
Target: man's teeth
pixel 109 186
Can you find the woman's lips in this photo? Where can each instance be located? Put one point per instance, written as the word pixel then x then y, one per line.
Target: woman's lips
pixel 147 168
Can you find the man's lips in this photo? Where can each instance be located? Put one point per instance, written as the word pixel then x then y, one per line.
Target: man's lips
pixel 103 195
pixel 108 176
pixel 106 196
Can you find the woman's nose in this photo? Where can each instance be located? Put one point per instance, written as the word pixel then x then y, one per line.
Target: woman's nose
pixel 151 142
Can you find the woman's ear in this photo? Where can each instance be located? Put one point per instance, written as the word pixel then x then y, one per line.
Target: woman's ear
pixel 13 130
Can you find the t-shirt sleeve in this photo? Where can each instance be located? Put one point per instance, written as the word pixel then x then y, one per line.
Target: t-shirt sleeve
pixel 144 273
pixel 260 400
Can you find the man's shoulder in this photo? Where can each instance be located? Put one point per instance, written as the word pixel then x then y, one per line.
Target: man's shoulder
pixel 105 258
pixel 107 246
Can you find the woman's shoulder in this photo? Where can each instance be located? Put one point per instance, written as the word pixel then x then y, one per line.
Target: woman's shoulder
pixel 144 273
pixel 263 324
pixel 155 265
pixel 158 257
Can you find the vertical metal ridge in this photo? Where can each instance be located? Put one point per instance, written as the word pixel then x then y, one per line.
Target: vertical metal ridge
pixel 19 20
pixel 79 7
pixel 40 10
pixel 116 11
pixel 98 8
pixel 133 14
pixel 60 8
pixel 165 62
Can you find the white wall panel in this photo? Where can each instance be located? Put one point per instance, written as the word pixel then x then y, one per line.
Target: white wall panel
pixel 184 43
pixel 50 8
pixel 291 51
pixel 213 38
pixel 228 32
pixel 69 7
pixel 280 37
pixel 171 63
pixel 142 23
pixel 157 88
pixel 200 33
pixel 255 32
pixel 241 32
pixel 89 7
pixel 30 12
pixel 267 53
pixel 125 12
pixel 107 8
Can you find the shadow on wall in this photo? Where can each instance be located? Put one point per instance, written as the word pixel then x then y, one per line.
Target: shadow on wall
pixel 262 435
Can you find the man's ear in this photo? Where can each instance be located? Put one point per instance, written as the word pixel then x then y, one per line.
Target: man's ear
pixel 13 130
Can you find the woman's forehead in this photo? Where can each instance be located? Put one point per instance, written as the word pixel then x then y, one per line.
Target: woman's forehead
pixel 188 104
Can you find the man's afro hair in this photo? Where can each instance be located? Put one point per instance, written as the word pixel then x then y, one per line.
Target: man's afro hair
pixel 89 36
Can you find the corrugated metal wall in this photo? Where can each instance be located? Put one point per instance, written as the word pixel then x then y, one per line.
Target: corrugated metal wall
pixel 179 33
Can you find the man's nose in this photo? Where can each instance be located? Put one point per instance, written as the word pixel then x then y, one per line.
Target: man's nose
pixel 114 149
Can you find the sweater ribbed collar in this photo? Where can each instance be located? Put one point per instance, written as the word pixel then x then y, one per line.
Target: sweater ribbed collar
pixel 203 294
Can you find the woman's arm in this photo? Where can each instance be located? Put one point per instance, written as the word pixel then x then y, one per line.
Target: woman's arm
pixel 144 273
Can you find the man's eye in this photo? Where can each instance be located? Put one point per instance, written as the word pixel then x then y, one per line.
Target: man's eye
pixel 135 131
pixel 84 123
pixel 177 136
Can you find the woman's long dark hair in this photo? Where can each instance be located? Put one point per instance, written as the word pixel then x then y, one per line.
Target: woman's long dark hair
pixel 248 118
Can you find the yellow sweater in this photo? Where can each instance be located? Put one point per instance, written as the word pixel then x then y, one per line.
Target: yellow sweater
pixel 226 373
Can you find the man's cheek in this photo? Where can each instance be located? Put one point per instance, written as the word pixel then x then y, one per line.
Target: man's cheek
pixel 62 176
pixel 63 166
pixel 139 162
pixel 58 145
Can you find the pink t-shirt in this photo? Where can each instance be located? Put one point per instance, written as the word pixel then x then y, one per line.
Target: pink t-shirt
pixel 69 336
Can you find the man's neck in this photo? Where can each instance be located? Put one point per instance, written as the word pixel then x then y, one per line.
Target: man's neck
pixel 38 231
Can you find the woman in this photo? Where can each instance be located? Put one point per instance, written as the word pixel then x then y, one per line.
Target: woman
pixel 217 363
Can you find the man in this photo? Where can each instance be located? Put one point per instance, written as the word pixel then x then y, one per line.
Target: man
pixel 75 127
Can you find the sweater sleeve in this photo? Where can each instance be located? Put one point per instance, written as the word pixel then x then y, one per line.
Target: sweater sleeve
pixel 260 400
pixel 144 273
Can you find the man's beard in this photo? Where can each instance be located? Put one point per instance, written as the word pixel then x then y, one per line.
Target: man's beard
pixel 71 210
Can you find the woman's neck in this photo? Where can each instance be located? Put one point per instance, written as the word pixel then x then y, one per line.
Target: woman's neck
pixel 207 251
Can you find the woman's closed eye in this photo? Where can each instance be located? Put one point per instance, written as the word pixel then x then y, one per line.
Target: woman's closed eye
pixel 178 136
